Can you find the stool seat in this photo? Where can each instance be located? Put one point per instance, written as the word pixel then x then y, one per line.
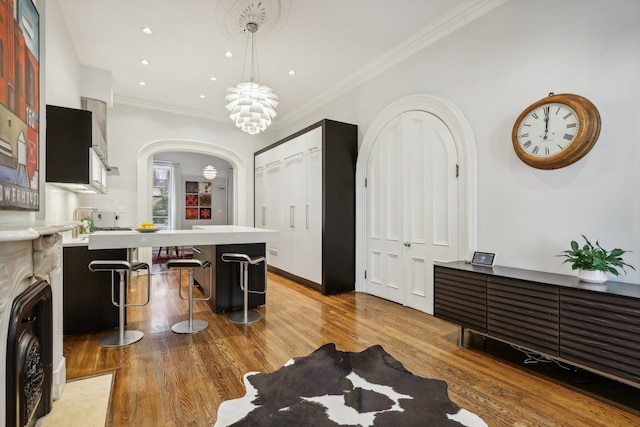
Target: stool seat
pixel 191 326
pixel 244 260
pixel 123 268
pixel 117 265
pixel 233 257
pixel 188 263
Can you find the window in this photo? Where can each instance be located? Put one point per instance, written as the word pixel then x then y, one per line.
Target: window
pixel 161 196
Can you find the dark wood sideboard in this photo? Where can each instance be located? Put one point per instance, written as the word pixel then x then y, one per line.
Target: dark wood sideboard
pixel 592 326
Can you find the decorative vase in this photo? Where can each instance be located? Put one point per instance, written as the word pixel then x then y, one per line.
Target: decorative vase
pixel 592 276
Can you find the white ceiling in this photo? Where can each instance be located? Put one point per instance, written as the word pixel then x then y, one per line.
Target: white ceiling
pixel 331 44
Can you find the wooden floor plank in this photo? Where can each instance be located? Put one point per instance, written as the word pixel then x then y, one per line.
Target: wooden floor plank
pixel 173 379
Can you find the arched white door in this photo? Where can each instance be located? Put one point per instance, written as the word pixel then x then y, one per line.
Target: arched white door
pixel 411 203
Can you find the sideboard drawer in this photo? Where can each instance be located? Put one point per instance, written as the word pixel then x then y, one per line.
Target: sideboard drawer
pixel 601 331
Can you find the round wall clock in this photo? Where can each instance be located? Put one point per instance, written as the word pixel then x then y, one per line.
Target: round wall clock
pixel 556 131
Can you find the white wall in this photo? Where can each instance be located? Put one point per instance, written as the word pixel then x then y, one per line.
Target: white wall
pixel 492 70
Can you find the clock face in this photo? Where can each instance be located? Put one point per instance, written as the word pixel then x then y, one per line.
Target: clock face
pixel 548 130
pixel 556 131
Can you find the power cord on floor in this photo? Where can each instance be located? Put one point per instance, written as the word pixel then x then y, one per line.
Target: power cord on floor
pixel 534 358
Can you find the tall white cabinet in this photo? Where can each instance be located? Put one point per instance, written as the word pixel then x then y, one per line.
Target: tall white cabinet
pixel 305 188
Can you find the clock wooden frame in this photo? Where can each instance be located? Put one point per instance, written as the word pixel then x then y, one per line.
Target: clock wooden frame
pixel 585 139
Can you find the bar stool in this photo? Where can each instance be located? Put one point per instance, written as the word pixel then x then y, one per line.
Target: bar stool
pixel 246 316
pixel 191 326
pixel 124 269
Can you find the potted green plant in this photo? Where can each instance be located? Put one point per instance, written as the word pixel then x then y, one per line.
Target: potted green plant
pixel 593 261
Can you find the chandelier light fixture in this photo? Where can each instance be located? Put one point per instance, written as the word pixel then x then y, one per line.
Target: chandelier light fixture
pixel 209 172
pixel 251 104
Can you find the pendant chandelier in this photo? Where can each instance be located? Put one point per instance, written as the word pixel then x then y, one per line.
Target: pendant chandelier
pixel 252 105
pixel 209 172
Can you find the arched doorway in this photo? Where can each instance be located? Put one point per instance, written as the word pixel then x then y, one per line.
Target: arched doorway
pixel 144 175
pixel 461 136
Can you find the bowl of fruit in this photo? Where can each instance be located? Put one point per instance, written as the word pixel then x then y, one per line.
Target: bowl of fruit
pixel 147 227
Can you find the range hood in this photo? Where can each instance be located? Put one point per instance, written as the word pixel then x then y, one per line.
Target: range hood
pixel 99 129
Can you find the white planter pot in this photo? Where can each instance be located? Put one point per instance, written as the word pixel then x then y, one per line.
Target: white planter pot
pixel 592 276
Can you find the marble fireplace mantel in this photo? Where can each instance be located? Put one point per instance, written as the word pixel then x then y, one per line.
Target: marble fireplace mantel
pixel 30 253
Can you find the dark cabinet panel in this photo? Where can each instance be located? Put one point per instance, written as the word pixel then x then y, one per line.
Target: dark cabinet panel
pixel 340 152
pixel 523 313
pixel 460 297
pixel 86 297
pixel 227 295
pixel 602 332
pixel 68 142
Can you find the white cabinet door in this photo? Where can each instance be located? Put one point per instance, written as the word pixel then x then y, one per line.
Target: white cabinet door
pixel 293 203
pixel 260 219
pixel 310 237
pixel 272 205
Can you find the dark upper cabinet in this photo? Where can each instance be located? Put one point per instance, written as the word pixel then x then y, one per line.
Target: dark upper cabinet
pixel 71 161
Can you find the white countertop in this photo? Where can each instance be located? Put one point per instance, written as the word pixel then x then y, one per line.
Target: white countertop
pixel 200 235
pixel 81 240
pixel 31 231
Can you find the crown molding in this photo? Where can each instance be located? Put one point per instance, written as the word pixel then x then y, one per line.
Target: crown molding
pixel 132 102
pixel 447 24
pixel 138 103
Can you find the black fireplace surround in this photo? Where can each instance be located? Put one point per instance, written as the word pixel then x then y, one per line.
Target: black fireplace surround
pixel 29 356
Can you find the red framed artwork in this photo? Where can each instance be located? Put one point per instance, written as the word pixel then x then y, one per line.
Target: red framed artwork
pixel 19 106
pixel 191 213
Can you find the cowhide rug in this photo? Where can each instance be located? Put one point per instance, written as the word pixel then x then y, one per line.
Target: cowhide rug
pixel 337 388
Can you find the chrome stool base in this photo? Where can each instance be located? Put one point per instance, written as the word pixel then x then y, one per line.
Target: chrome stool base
pixel 191 326
pixel 114 340
pixel 124 269
pixel 245 318
pixel 243 261
pixel 185 328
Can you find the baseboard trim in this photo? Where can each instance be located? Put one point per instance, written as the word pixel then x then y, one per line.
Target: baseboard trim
pixel 301 280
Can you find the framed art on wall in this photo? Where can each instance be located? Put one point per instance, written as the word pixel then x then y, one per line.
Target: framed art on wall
pixel 19 106
pixel 197 200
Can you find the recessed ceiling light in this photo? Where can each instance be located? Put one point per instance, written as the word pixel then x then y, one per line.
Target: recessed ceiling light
pixel 202 97
pixel 213 79
pixel 147 30
pixel 142 83
pixel 228 54
pixel 292 73
pixel 144 62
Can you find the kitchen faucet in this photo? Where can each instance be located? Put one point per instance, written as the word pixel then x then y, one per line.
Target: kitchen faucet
pixel 74 232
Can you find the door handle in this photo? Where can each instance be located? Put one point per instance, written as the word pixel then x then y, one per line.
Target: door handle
pixel 264 209
pixel 292 214
pixel 407 244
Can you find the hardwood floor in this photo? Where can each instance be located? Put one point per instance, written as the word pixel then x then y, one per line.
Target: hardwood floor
pixel 169 379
